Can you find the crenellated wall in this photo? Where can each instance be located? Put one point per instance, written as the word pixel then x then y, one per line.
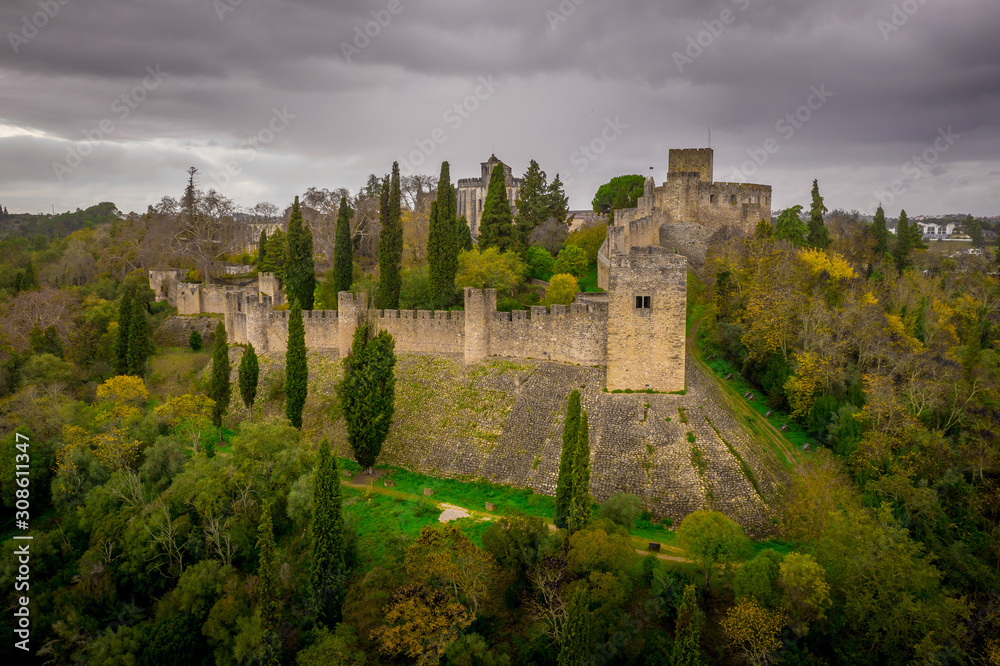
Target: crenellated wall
pixel 574 333
pixel 439 332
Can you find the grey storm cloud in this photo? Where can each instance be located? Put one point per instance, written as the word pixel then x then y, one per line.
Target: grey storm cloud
pixel 365 84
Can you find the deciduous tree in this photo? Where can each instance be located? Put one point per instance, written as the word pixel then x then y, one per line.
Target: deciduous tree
pixel 562 290
pixel 753 631
pixel 712 538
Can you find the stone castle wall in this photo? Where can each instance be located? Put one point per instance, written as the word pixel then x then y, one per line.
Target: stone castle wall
pixel 576 333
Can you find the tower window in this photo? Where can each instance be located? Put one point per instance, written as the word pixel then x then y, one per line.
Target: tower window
pixel 642 302
pixel 711 198
pixel 732 199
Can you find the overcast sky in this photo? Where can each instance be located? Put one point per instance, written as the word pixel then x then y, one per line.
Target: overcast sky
pixel 112 100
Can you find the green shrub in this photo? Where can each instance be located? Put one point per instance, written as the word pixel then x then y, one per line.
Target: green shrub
pixel 621 508
pixel 194 340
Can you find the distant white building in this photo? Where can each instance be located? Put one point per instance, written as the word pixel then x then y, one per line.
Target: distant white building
pixel 936 231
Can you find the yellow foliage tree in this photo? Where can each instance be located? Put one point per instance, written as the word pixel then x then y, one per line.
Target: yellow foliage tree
pixel 421 623
pixel 562 290
pixel 489 269
pixel 446 556
pixel 189 414
pixel 806 592
pixel 126 394
pixel 812 374
pixel 817 262
pixel 753 631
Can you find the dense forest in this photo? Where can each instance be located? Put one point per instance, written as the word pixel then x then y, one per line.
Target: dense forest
pixel 167 530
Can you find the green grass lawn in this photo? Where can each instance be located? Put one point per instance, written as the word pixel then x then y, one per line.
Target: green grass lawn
pixel 589 281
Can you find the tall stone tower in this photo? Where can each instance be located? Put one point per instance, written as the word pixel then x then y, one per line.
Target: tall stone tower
pixel 647 305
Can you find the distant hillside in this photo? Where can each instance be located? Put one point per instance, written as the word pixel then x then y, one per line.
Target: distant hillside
pixel 27 225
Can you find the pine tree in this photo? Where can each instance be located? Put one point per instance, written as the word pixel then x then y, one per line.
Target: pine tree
pixel 464 235
pixel 916 235
pixel 122 337
pixel 532 204
pixel 880 233
pixel 248 375
pixel 904 243
pixel 261 246
pixel 296 369
pixel 368 393
pixel 300 271
pixel 789 226
pixel 496 229
pixel 343 250
pixel 442 238
pixel 556 201
pixel 687 636
pixel 819 235
pixel 390 245
pixel 140 342
pixel 327 573
pixel 582 502
pixel 564 485
pixel 219 388
pixel 29 278
pixel 274 255
pixel 575 646
pixel 267 591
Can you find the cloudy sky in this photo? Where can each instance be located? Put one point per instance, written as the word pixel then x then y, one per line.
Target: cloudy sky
pixel 112 100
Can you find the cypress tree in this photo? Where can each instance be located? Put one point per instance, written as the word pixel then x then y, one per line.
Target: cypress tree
pixel 296 370
pixel 261 246
pixel 904 243
pixel 880 233
pixel 300 271
pixel 327 574
pixel 267 569
pixel 219 388
pixel 140 343
pixel 819 235
pixel 122 337
pixel 464 235
pixel 343 250
pixel 582 503
pixel 564 485
pixel 442 238
pixel 29 278
pixel 497 226
pixel 390 246
pixel 575 647
pixel 368 393
pixel 248 375
pixel 687 636
pixel 195 341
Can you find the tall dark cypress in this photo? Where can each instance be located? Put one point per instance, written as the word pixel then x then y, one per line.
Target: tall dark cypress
pixel 343 251
pixel 497 226
pixel 564 485
pixel 140 343
pixel 124 328
pixel 582 502
pixel 219 388
pixel 368 393
pixel 300 271
pixel 880 233
pixel 819 235
pixel 327 572
pixel 296 370
pixel 267 576
pixel 248 375
pixel 574 649
pixel 261 246
pixel 390 247
pixel 442 239
pixel 904 243
pixel 464 235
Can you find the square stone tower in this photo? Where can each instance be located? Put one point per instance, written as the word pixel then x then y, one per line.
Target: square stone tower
pixel 647 307
pixel 691 160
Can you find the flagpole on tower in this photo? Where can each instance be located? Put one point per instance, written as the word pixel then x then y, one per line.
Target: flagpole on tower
pixel 709 137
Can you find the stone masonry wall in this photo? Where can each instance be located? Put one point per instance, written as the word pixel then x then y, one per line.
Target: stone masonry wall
pixel 575 333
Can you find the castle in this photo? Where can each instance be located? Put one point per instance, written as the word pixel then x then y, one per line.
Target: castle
pixel 636 330
pixel 471 192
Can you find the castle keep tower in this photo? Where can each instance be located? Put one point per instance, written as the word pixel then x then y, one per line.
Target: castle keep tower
pixel 647 303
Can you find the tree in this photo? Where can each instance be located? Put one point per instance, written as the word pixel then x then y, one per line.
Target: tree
pixel 712 538
pixel 806 592
pixel 247 377
pixel 420 623
pixel 631 187
pixel 572 260
pixel 790 227
pixel 904 243
pixel 540 263
pixel 974 228
pixel 343 251
pixel 300 271
pixel 496 228
pixel 532 203
pixel 29 278
pixel 261 246
pixel 556 201
pixel 368 393
pixel 195 341
pixel 267 575
pixel 390 244
pixel 758 579
pixel 327 573
pixel 764 230
pixel 442 239
pixel 489 269
pixel 140 342
pixel 445 556
pixel 754 631
pixel 582 502
pixel 120 363
pixel 564 483
pixel 275 255
pixel 622 509
pixel 575 648
pixel 464 235
pixel 687 635
pixel 296 368
pixel 819 235
pixel 219 389
pixel 189 414
pixel 562 290
pixel 880 233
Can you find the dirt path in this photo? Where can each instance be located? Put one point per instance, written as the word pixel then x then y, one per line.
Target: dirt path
pixel 484 515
